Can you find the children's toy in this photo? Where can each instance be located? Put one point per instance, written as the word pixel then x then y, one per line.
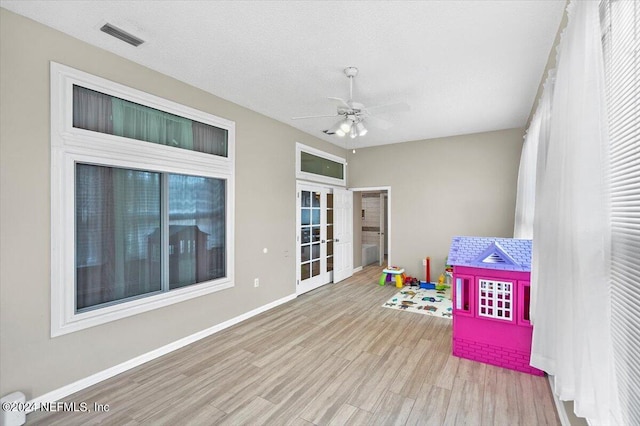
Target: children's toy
pixel 428 270
pixel 441 285
pixel 448 271
pixel 392 272
pixel 427 286
pixel 491 295
pixel 411 281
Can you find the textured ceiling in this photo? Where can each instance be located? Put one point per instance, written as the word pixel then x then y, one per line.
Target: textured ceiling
pixel 462 66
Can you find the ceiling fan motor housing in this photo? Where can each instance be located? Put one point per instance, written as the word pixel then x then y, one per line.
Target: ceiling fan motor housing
pixel 351 71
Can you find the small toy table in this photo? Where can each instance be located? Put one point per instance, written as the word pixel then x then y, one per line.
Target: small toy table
pixel 391 272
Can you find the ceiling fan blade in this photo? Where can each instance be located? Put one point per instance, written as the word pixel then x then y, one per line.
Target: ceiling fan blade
pixel 357 106
pixel 313 116
pixel 341 102
pixel 396 107
pixel 378 122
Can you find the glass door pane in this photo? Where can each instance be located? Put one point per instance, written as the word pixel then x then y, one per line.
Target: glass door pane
pixel 329 211
pixel 310 229
pixel 315 237
pixel 316 230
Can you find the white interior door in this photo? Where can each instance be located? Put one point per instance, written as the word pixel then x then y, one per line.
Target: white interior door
pixel 383 229
pixel 343 244
pixel 315 232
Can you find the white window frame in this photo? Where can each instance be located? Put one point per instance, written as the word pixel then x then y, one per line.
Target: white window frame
pixel 493 292
pixel 312 177
pixel 70 145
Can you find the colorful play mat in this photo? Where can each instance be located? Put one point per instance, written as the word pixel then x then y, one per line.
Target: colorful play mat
pixel 422 301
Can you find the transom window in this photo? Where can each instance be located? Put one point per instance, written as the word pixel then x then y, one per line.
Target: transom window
pixel 142 191
pixel 321 166
pixel 103 113
pixel 318 166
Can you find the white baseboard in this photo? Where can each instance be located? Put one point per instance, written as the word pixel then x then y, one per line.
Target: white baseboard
pixel 358 269
pixel 60 393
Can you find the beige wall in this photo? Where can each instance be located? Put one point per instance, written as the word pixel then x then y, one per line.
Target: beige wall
pixel 31 361
pixel 462 185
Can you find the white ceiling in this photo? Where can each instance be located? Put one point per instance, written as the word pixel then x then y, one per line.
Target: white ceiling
pixel 462 66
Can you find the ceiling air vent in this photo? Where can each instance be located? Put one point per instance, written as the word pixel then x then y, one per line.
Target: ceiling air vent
pixel 122 35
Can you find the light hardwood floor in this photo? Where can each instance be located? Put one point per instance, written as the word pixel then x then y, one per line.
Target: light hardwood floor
pixel 333 356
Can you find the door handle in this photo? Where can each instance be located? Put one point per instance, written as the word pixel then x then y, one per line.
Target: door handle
pixel 337 240
pixel 323 241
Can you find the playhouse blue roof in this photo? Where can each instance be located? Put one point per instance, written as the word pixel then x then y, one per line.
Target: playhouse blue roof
pixel 507 254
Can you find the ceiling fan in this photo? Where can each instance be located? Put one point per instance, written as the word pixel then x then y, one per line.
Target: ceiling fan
pixel 353 115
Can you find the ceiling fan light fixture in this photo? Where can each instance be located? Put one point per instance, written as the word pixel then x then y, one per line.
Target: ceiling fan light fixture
pixel 353 132
pixel 333 130
pixel 361 129
pixel 346 125
pixel 340 133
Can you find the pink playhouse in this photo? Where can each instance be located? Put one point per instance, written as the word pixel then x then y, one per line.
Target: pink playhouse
pixel 491 296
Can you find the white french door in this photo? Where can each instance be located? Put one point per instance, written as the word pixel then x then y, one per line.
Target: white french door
pixel 315 242
pixel 383 228
pixel 343 243
pixel 324 235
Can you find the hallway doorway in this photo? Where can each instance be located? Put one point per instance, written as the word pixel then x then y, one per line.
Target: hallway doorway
pixel 371 226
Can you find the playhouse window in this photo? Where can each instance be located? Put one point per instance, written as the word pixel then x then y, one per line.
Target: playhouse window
pixel 495 299
pixel 462 293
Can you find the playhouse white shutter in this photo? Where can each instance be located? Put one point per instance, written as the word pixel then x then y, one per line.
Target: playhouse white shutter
pixel 622 56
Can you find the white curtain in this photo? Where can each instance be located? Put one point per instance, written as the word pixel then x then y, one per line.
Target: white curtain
pixel 525 200
pixel 535 142
pixel 535 165
pixel 571 312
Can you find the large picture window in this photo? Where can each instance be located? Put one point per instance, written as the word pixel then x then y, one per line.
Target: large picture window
pixel 119 233
pixel 142 192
